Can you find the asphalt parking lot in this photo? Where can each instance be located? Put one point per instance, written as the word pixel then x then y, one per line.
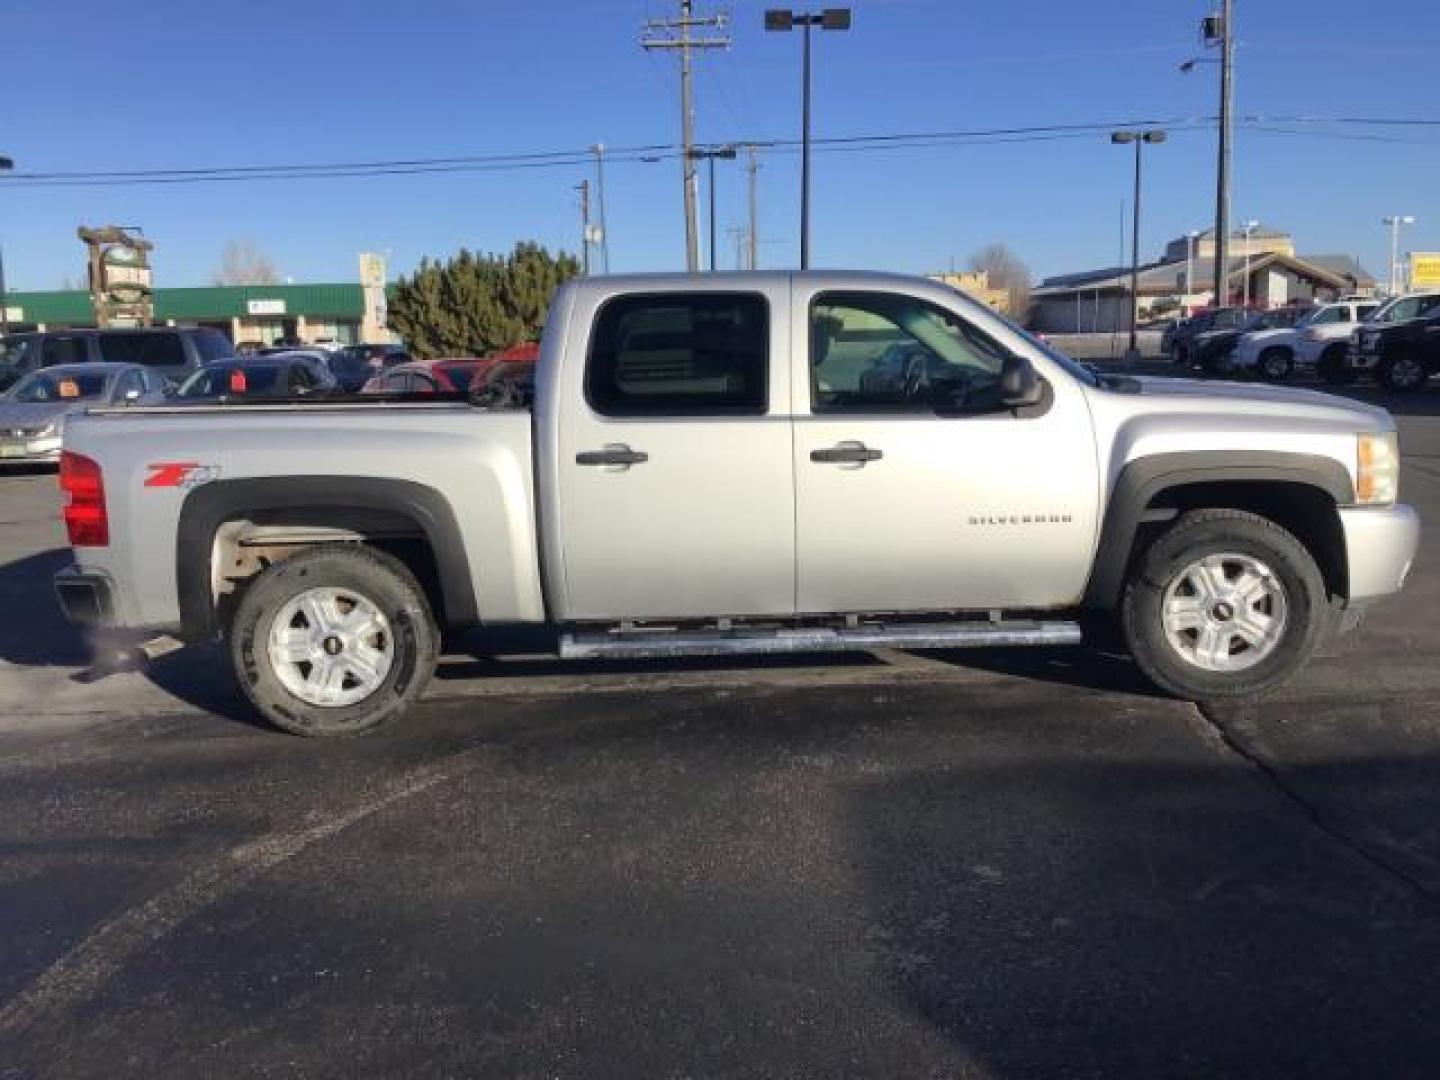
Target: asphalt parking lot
pixel 977 864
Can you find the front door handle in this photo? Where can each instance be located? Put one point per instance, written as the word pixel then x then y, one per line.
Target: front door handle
pixel 846 453
pixel 613 454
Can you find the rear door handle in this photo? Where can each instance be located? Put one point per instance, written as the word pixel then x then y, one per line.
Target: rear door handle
pixel 846 453
pixel 613 454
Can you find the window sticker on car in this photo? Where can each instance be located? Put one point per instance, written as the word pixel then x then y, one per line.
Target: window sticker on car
pixel 180 474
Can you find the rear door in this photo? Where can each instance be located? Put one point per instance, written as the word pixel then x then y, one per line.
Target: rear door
pixel 673 464
pixel 916 490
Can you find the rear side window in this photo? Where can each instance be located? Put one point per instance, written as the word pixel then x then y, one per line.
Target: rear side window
pixel 679 354
pixel 151 350
pixel 65 350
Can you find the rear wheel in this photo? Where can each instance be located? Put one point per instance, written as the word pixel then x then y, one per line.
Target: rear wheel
pixel 1334 367
pixel 334 641
pixel 1275 364
pixel 1404 372
pixel 1226 604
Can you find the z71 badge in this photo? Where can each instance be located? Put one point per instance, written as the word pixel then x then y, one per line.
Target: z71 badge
pixel 180 474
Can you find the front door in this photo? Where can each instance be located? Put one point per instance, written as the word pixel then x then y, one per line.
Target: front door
pixel 676 496
pixel 916 489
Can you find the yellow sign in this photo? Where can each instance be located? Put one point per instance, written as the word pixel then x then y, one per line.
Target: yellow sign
pixel 1425 270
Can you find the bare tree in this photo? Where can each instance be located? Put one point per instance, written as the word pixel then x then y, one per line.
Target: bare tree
pixel 242 263
pixel 1007 271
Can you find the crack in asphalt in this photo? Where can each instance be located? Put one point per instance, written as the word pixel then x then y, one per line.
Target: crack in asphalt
pixel 78 974
pixel 1312 812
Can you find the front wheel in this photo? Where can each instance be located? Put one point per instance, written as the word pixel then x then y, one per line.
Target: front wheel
pixel 1275 364
pixel 1226 604
pixel 334 641
pixel 1405 372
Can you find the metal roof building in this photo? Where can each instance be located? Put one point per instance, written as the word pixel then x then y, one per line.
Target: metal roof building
pixel 259 313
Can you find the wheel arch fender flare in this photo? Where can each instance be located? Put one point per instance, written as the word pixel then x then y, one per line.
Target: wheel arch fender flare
pixel 207 507
pixel 1142 481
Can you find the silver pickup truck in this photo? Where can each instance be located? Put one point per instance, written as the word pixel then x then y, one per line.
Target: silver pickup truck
pixel 775 462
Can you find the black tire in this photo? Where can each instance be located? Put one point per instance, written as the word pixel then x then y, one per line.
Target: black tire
pixel 380 579
pixel 1275 364
pixel 1404 372
pixel 1215 532
pixel 1334 366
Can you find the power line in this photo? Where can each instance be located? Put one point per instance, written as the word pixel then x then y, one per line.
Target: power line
pixel 544 159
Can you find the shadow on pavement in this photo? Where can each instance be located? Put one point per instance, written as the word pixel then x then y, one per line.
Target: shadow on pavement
pixel 1081 667
pixel 33 632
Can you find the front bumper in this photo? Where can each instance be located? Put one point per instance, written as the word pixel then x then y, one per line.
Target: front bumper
pixel 1380 547
pixel 86 598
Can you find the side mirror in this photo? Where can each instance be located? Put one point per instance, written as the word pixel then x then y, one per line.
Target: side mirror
pixel 1019 384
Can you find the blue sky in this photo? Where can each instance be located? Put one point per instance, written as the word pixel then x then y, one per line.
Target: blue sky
pixel 194 83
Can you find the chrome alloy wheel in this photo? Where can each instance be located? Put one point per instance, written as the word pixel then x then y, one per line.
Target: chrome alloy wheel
pixel 1224 612
pixel 331 647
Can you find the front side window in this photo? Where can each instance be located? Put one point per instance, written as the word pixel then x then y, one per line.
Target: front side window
pixel 679 354
pixel 1330 315
pixel 884 352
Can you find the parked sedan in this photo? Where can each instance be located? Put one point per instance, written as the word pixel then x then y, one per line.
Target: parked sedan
pixel 278 376
pixel 427 377
pixel 34 411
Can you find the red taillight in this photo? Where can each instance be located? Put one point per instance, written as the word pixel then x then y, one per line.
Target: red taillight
pixel 85 516
pixel 238 383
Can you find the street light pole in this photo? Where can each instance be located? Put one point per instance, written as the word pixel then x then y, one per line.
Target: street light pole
pixel 1395 222
pixel 1189 271
pixel 599 149
pixel 5 165
pixel 1250 227
pixel 1139 138
pixel 829 19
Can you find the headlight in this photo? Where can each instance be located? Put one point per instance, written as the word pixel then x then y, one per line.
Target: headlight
pixel 1378 469
pixel 48 431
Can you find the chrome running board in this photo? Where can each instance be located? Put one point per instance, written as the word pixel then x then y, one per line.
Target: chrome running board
pixel 738 642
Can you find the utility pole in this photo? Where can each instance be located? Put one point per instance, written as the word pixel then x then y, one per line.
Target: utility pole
pixel 739 234
pixel 752 167
pixel 677 35
pixel 1225 33
pixel 584 188
pixel 599 149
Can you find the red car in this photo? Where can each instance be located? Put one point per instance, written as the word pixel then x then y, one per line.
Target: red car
pixel 427 377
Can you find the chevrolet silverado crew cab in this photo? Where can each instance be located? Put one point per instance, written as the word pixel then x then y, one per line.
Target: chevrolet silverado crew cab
pixel 776 462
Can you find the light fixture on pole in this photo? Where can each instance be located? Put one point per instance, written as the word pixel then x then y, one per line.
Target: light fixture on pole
pixel 1249 231
pixel 782 20
pixel 5 166
pixel 1395 222
pixel 1217 31
pixel 1139 138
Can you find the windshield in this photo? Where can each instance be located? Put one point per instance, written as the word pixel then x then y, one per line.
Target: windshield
pixel 1406 307
pixel 49 386
pixel 215 382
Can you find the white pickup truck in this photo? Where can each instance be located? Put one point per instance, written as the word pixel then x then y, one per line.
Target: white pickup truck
pixel 766 462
